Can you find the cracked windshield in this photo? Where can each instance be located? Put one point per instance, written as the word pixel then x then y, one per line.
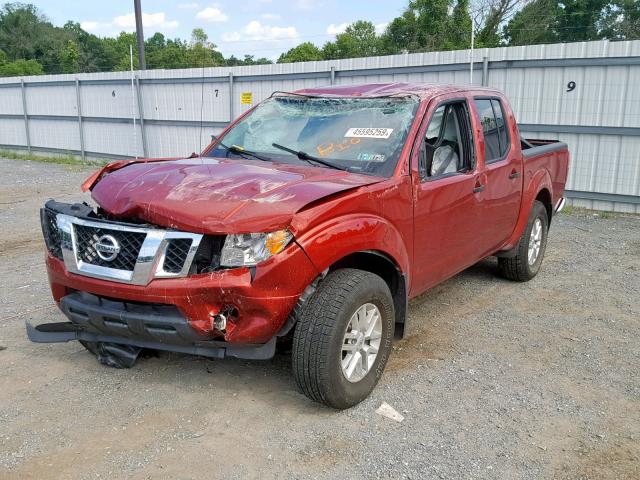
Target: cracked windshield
pixel 362 135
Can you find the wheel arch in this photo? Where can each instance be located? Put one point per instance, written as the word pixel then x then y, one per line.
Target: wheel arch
pixel 366 242
pixel 538 187
pixel 544 197
pixel 383 265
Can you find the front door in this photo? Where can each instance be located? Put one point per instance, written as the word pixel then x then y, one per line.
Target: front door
pixel 447 209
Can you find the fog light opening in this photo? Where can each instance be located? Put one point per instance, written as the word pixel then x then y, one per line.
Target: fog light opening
pixel 220 322
pixel 223 321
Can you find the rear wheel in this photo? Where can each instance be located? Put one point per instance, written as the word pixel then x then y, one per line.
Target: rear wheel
pixel 530 250
pixel 343 338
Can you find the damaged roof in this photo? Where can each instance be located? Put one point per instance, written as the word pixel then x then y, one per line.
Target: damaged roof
pixel 397 89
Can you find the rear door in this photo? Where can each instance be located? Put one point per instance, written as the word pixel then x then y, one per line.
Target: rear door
pixel 447 211
pixel 502 171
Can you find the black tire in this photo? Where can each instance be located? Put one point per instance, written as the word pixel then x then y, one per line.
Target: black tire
pixel 319 335
pixel 518 268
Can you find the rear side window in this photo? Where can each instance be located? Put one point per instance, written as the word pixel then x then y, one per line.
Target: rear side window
pixel 496 138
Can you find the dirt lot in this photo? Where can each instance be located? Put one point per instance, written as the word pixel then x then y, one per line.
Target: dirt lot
pixel 496 380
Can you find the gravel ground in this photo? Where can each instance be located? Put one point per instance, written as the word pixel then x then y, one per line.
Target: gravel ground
pixel 496 379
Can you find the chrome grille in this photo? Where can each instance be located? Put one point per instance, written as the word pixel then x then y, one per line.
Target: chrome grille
pixel 176 254
pixel 124 252
pixel 50 231
pixel 129 243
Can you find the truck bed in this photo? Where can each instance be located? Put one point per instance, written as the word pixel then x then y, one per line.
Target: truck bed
pixel 532 147
pixel 552 155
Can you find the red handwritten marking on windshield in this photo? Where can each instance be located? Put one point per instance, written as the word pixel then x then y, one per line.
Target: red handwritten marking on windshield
pixel 325 149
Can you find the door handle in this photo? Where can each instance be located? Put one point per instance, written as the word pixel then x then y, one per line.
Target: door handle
pixel 514 174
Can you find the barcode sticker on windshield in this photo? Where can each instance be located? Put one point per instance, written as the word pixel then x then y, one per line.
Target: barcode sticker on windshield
pixel 369 132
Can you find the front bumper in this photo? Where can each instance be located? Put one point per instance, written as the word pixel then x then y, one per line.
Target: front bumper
pixel 67 331
pixel 261 299
pixel 142 330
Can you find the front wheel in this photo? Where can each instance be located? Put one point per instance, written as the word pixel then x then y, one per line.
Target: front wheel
pixel 343 338
pixel 526 263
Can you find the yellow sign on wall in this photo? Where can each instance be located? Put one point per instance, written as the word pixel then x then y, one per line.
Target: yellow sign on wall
pixel 246 98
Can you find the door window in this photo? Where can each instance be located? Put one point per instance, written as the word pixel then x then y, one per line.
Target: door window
pixel 447 144
pixel 496 139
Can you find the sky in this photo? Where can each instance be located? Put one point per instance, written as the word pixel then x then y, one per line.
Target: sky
pixel 263 28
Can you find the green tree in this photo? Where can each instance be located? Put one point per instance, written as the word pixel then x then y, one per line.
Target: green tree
pixel 172 55
pixel 459 29
pixel 201 52
pixel 119 49
pixel 163 53
pixel 621 20
pixel 630 23
pixel 489 35
pixel 490 17
pixel 251 60
pixel 547 21
pixel 305 52
pixel 536 23
pixel 69 57
pixel 234 61
pixel 580 20
pixel 26 34
pixel 20 30
pixel 358 40
pixel 423 26
pixel 20 67
pixel 93 56
pixel 400 34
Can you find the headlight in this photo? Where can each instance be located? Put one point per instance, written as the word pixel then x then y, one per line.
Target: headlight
pixel 248 249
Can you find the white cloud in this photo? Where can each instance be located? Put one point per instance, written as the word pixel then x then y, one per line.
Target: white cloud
pixel 90 25
pixel 256 31
pixel 152 21
pixel 270 16
pixel 381 27
pixel 188 6
pixel 212 14
pixel 334 29
pixel 149 20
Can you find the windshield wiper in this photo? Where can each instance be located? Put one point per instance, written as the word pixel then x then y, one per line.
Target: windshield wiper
pixel 243 152
pixel 309 158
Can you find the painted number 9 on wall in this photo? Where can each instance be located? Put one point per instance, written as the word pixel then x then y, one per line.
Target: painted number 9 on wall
pixel 246 98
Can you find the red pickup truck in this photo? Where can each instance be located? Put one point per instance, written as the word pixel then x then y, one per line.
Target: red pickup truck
pixel 312 219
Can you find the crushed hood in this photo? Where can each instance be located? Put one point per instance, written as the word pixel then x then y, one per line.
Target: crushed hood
pixel 209 195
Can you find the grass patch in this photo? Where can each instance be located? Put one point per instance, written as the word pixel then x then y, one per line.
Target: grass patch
pixel 605 214
pixel 586 212
pixel 571 210
pixel 70 160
